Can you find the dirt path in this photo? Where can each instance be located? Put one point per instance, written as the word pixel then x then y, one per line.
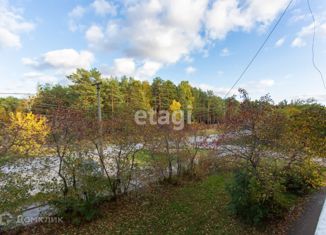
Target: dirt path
pixel 307 222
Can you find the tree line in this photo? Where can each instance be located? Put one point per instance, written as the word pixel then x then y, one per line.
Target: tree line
pixel 126 93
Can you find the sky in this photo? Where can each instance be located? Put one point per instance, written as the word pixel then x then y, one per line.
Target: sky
pixel 207 42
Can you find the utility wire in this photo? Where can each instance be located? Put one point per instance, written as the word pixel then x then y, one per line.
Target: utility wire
pixel 260 48
pixel 15 93
pixel 313 45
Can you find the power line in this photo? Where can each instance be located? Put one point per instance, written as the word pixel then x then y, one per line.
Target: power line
pixel 15 93
pixel 260 48
pixel 313 45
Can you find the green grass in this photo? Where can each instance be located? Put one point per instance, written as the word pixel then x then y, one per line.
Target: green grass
pixel 142 157
pixel 193 208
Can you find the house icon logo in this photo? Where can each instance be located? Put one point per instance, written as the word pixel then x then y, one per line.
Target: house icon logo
pixel 5 219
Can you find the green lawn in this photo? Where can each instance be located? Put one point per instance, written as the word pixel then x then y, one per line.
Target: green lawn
pixel 193 208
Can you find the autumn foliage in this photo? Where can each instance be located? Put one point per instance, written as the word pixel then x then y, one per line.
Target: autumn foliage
pixel 275 150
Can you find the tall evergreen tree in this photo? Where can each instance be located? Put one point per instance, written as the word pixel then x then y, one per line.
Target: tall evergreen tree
pixel 112 96
pixel 157 87
pixel 169 93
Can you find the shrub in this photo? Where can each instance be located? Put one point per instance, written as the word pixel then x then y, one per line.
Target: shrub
pixel 76 210
pixel 256 201
pixel 302 178
pixel 87 189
